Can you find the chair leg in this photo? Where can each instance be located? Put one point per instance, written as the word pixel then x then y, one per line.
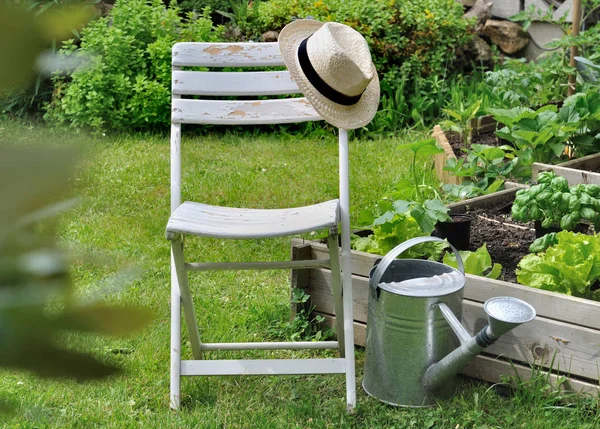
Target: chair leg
pixel 334 256
pixel 186 298
pixel 348 332
pixel 175 339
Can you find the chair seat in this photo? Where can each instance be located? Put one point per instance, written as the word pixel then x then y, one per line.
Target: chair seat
pixel 226 222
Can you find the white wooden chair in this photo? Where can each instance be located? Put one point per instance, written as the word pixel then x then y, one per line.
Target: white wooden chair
pixel 191 218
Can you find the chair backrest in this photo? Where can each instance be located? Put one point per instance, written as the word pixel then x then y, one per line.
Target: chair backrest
pixel 224 84
pixel 247 84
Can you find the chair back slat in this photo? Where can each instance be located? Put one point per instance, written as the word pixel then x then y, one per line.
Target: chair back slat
pixel 247 112
pixel 226 54
pixel 233 83
pixel 250 83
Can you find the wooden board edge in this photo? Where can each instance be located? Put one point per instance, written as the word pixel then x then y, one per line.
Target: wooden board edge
pixel 439 160
pixel 592 160
pixel 490 369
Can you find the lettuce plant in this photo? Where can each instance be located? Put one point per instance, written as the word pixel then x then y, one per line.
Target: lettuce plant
pixel 571 266
pixel 553 203
pixel 394 222
pixel 478 263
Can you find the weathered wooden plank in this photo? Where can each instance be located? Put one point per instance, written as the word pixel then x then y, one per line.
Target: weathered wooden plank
pixel 299 278
pixel 225 112
pixel 551 305
pixel 226 54
pixel 575 171
pixel 560 307
pixel 439 160
pixel 584 163
pixel 495 370
pixel 489 368
pixel 482 125
pixel 233 83
pixel 496 199
pixel 362 262
pixel 577 348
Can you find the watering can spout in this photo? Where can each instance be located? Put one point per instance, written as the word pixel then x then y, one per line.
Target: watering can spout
pixel 504 314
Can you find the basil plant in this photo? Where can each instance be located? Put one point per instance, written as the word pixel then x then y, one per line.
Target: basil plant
pixel 555 204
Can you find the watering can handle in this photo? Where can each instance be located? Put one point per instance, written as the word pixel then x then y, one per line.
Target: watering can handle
pixel 393 254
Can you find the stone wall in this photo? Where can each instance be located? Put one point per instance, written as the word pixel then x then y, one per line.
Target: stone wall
pixel 507 8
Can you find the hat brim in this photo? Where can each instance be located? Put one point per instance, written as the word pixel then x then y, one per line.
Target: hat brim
pixel 348 117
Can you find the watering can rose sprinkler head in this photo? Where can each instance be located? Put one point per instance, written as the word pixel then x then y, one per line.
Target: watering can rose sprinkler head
pixel 504 313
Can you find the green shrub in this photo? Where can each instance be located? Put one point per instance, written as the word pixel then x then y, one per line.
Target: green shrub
pixel 413 45
pixel 406 37
pixel 199 5
pixel 126 84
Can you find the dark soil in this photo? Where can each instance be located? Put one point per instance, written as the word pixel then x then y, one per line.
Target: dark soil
pixel 507 240
pixel 457 143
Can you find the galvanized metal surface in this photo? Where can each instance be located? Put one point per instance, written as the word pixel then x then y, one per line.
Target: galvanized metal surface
pixel 407 332
pixel 504 313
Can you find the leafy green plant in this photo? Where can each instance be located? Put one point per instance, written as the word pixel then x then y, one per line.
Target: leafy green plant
pixel 486 166
pixel 588 70
pixel 553 203
pixel 468 189
pixel 39 304
pixel 478 263
pixel 303 327
pixel 539 135
pixel 571 266
pixel 28 101
pixel 412 43
pixel 518 82
pixel 241 15
pixel 532 13
pixel 393 222
pixel 419 186
pixel 585 106
pixel 420 36
pixel 197 6
pixel 460 120
pixel 126 84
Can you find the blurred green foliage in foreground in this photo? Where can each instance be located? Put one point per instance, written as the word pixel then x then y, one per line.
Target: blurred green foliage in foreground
pixel 37 303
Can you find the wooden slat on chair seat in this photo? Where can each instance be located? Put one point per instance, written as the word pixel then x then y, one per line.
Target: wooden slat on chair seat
pixel 233 83
pixel 226 222
pixel 233 112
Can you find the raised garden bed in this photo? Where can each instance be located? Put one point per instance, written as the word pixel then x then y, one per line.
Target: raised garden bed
pixel 576 171
pixel 564 336
pixel 482 131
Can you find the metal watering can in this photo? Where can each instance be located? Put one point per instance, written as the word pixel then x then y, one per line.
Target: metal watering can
pixel 416 344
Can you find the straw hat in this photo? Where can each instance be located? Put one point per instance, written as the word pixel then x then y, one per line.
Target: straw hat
pixel 332 65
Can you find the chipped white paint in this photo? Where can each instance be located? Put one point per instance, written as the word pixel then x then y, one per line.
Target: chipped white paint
pixel 233 83
pixel 222 222
pixel 296 345
pixel 228 222
pixel 263 367
pixel 225 112
pixel 227 54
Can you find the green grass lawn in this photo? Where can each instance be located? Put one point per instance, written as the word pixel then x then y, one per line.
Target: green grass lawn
pixel 124 182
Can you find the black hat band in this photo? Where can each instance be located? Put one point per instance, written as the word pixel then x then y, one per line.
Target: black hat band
pixel 319 84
